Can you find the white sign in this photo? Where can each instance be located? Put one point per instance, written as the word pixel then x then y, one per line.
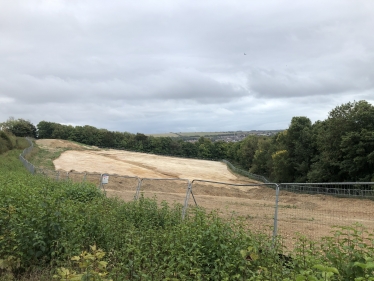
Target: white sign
pixel 105 179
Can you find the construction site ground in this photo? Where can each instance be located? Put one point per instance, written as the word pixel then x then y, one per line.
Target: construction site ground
pixel 166 178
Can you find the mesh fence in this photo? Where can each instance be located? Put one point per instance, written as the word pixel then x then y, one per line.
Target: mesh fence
pixel 253 203
pixel 312 209
pixel 285 209
pixel 123 187
pixel 62 175
pixel 172 191
pixel 245 173
pixel 30 167
pixel 76 176
pixel 51 174
pixel 94 178
pixel 339 189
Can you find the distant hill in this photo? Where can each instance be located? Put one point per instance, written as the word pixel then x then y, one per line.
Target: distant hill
pixel 226 135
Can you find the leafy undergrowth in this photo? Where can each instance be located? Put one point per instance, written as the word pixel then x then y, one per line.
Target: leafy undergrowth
pixel 64 231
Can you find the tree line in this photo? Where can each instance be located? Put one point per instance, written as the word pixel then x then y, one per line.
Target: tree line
pixel 338 149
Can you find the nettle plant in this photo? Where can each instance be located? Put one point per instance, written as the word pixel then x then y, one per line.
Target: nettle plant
pixel 345 255
pixel 90 265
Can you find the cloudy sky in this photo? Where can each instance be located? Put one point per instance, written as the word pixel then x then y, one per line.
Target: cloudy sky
pixel 183 65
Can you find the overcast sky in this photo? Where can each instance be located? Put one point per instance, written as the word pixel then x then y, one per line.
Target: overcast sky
pixel 183 66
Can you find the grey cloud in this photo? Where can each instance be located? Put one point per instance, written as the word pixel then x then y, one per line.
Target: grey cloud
pixel 180 65
pixel 346 70
pixel 192 85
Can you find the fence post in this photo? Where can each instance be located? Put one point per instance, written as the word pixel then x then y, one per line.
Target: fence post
pixel 184 210
pixel 138 189
pixel 275 229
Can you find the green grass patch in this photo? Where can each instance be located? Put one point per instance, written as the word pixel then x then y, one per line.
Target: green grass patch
pixel 43 157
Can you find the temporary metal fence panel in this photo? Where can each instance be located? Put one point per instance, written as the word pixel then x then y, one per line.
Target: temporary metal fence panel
pixel 340 189
pixel 123 187
pixel 312 209
pixel 75 176
pixel 62 175
pixel 170 190
pixel 93 178
pixel 254 203
pixel 52 174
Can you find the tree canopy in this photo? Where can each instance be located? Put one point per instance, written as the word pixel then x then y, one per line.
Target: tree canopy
pixel 338 149
pixel 19 127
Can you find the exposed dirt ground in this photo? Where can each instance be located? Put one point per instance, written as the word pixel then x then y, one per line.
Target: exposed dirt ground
pixel 54 143
pixel 143 165
pixel 310 215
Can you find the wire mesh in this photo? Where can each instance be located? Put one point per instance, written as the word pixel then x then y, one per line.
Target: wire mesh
pixel 62 175
pixel 30 167
pixel 253 203
pixel 246 173
pixel 48 173
pixel 313 209
pixel 38 171
pixel 123 187
pixel 93 178
pixel 75 176
pixel 339 189
pixel 169 190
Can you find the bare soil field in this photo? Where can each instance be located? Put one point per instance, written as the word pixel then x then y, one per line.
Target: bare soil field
pixel 310 215
pixel 55 144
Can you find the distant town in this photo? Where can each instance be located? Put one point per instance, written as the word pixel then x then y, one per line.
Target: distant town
pixel 228 136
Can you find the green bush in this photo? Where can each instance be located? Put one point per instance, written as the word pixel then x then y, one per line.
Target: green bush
pixel 5 142
pixel 9 142
pixel 45 223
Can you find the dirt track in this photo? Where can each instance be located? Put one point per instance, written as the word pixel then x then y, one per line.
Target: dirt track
pixel 311 215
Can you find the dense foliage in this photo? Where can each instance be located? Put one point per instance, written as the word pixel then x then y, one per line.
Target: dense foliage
pixel 19 127
pixel 8 142
pixel 75 233
pixel 340 148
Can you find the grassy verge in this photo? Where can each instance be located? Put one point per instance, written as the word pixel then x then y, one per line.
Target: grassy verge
pixel 43 157
pixel 73 232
